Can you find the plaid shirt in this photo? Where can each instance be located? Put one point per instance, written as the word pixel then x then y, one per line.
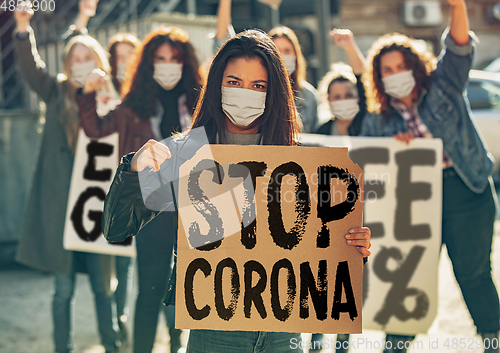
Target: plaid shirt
pixel 415 125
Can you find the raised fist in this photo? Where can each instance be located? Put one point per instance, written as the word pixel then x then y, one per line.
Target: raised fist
pixel 95 80
pixel 23 14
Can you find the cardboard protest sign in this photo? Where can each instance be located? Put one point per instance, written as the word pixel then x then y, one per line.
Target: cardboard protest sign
pixel 403 195
pixel 93 170
pixel 261 242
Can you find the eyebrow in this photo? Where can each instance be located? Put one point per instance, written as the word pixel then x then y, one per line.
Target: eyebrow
pixel 239 79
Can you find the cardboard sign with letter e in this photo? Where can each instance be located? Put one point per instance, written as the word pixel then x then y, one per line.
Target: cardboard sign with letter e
pixel 261 243
pixel 403 198
pixel 93 170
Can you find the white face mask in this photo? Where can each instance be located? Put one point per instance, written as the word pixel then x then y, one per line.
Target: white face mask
pixel 345 109
pixel 399 85
pixel 290 65
pixel 120 72
pixel 80 72
pixel 242 106
pixel 168 75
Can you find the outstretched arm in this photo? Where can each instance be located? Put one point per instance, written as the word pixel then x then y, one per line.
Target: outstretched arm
pixel 459 22
pixel 86 9
pixel 344 39
pixel 223 19
pixel 29 62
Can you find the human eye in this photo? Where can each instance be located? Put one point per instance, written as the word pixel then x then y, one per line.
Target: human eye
pixel 233 83
pixel 159 60
pixel 259 86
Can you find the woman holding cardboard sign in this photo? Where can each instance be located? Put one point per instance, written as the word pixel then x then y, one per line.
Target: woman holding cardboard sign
pixel 41 244
pixel 245 101
pixel 410 97
pixel 159 94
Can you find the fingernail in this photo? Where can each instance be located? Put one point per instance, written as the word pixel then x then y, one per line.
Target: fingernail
pixel 348 236
pixel 351 230
pixel 349 242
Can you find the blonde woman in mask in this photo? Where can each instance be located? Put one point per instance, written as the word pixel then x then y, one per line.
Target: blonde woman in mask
pixel 245 101
pixel 306 96
pixel 159 93
pixel 342 90
pixel 412 96
pixel 41 244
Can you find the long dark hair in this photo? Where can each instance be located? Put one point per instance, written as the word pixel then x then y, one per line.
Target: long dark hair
pixel 421 62
pixel 278 124
pixel 140 90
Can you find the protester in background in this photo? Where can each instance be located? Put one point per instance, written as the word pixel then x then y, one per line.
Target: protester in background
pixel 121 48
pixel 342 89
pixel 248 68
pixel 41 244
pixel 411 97
pixel 160 90
pixel 224 28
pixel 86 9
pixel 306 96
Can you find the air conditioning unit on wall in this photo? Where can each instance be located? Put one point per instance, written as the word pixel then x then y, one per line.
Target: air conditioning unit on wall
pixel 424 13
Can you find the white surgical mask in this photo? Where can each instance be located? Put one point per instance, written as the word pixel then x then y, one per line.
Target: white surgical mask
pixel 80 72
pixel 399 85
pixel 242 106
pixel 120 72
pixel 290 65
pixel 168 74
pixel 345 109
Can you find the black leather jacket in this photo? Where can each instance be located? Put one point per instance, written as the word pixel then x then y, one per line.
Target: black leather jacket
pixel 125 210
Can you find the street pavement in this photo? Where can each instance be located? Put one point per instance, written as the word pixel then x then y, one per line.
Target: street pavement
pixel 26 324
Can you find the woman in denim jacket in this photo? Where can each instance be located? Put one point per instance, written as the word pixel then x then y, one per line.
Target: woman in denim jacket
pixel 412 97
